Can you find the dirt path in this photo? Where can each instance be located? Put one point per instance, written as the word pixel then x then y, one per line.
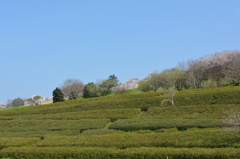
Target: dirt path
pixel 141 114
pixel 107 126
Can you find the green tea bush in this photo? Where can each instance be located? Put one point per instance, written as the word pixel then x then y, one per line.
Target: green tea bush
pixel 224 95
pixel 109 153
pixel 51 125
pixel 208 138
pixel 189 112
pixel 221 95
pixel 154 124
pixel 84 106
pixel 97 131
pixel 129 113
pixel 15 141
pixel 41 133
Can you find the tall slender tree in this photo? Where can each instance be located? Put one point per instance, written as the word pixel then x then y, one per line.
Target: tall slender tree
pixel 58 95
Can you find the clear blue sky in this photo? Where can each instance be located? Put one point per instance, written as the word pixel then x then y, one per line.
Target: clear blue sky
pixel 44 42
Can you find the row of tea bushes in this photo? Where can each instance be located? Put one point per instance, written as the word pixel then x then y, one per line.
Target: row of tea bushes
pixel 208 138
pixel 112 114
pixel 141 103
pixel 189 112
pixel 16 141
pixel 98 131
pixel 225 95
pixel 222 95
pixel 110 153
pixel 40 133
pixel 52 125
pixel 106 102
pixel 154 124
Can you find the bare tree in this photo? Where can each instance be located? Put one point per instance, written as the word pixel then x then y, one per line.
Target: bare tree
pixel 119 89
pixel 232 67
pixel 170 78
pixel 9 103
pixel 144 86
pixel 155 81
pixel 29 101
pixel 215 65
pixel 2 105
pixel 72 88
pixel 17 102
pixel 195 73
pixel 232 122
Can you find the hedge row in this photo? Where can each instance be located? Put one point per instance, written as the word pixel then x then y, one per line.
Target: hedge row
pixel 154 124
pixel 109 153
pixel 12 142
pixel 223 95
pixel 97 131
pixel 51 125
pixel 142 103
pixel 189 112
pixel 40 134
pixel 208 138
pixel 112 114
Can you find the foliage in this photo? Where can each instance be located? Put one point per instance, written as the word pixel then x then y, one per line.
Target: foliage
pixel 155 81
pixel 37 97
pixel 144 86
pixel 17 102
pixel 154 124
pixel 39 133
pixel 90 90
pixel 58 96
pixel 115 127
pixel 112 114
pixel 215 111
pixel 51 125
pixel 97 131
pixel 106 85
pixel 129 153
pixel 232 121
pixel 223 95
pixel 207 138
pixel 16 141
pixel 72 88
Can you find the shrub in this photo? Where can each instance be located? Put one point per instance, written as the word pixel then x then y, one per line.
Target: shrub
pixel 154 124
pixel 208 138
pixel 129 153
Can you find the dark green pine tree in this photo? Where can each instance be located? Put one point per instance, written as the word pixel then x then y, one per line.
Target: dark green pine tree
pixel 58 95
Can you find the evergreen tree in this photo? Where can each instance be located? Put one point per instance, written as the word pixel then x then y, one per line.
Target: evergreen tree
pixel 90 90
pixel 58 96
pixel 108 84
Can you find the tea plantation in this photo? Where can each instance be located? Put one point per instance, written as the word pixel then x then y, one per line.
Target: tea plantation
pixel 129 126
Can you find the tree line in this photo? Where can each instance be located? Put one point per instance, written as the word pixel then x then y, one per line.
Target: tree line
pixel 204 72
pixel 73 88
pixel 196 73
pixel 208 71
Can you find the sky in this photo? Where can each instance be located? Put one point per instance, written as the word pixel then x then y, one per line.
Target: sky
pixel 45 42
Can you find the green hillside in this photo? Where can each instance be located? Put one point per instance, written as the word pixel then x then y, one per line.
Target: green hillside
pixel 131 126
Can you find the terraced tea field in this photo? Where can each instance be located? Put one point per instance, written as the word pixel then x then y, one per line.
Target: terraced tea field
pixel 124 126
